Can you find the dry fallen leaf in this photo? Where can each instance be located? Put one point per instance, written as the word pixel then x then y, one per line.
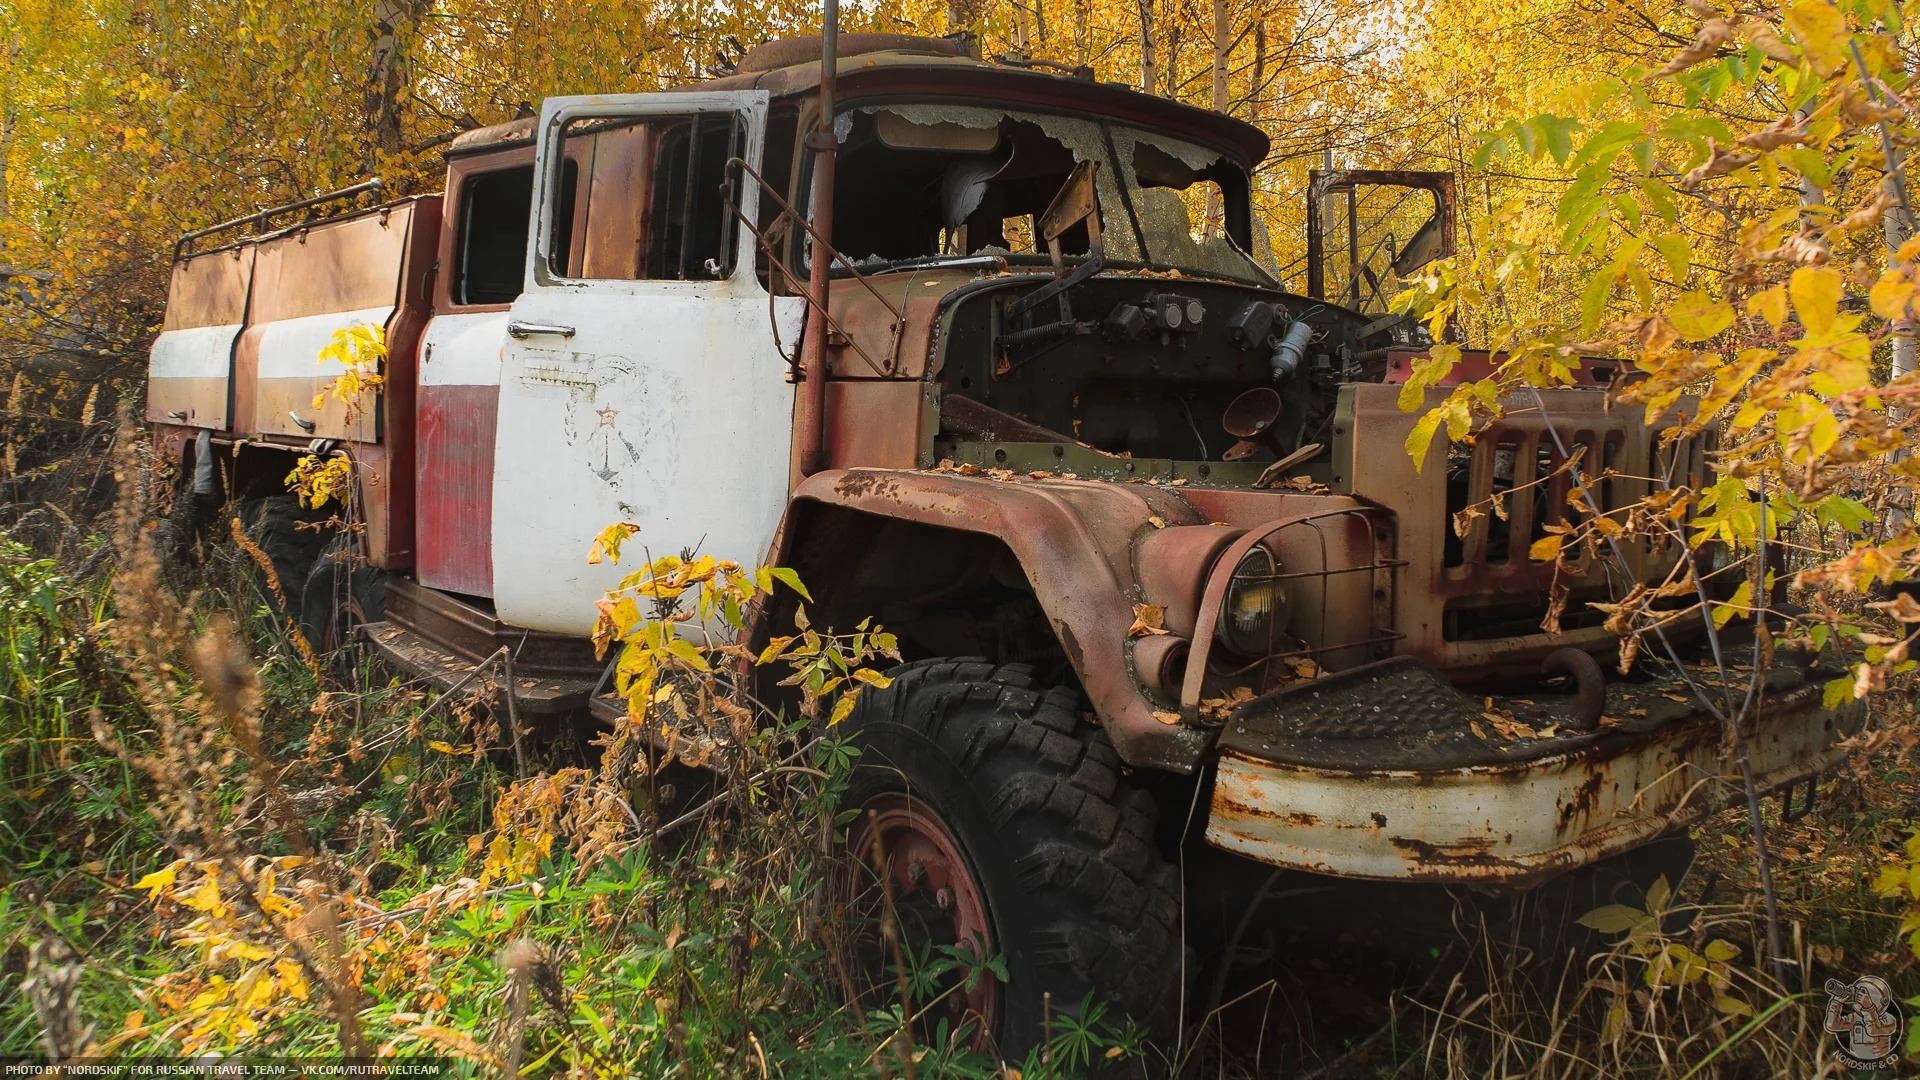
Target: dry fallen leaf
pixel 1220 708
pixel 1166 717
pixel 1147 619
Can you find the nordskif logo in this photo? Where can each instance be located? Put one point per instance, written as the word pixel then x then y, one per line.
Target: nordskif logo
pixel 1863 1018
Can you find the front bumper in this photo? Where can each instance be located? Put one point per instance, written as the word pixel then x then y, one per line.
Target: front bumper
pixel 1514 812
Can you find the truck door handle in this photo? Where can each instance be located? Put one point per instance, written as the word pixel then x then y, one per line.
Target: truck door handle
pixel 517 329
pixel 304 425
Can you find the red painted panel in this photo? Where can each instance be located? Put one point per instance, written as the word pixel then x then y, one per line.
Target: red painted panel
pixel 454 449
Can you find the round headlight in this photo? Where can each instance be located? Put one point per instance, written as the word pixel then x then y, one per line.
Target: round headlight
pixel 1257 605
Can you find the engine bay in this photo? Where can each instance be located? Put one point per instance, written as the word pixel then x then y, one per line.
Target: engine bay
pixel 1141 366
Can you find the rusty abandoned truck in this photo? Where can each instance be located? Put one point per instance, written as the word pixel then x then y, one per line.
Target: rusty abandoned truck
pixel 985 352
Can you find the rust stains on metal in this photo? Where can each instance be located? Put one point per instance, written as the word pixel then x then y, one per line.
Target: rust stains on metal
pixel 1473 854
pixel 1585 798
pixel 866 483
pixel 1512 822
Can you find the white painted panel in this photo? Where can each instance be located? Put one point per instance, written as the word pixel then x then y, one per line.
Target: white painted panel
pixel 290 348
pixel 463 349
pixel 1504 821
pixel 669 408
pixel 200 352
pixel 665 404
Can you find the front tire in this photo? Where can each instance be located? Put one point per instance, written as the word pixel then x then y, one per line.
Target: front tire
pixel 995 793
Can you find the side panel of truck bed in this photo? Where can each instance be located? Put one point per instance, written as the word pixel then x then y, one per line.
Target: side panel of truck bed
pixel 309 284
pixel 190 370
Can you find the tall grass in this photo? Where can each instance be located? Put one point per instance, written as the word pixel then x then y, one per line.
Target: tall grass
pixel 231 851
pixel 224 850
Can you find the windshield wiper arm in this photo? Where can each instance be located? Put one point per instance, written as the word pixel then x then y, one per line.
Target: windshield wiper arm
pixel 943 262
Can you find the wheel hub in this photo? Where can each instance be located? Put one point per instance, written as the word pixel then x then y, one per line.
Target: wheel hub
pixel 913 874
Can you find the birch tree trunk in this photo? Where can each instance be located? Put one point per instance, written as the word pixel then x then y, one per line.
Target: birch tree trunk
pixel 1256 91
pixel 9 115
pixel 1149 71
pixel 1081 49
pixel 1899 227
pixel 1222 44
pixel 7 121
pixel 393 20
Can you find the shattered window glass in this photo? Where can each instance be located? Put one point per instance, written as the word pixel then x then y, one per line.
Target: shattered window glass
pixel 925 181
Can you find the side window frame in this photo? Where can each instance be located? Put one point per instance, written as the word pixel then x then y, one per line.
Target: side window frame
pixel 747 109
pixel 452 288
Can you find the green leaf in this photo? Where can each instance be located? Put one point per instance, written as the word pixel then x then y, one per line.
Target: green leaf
pixel 1678 255
pixel 1587 218
pixel 1556 133
pixel 1837 692
pixel 687 651
pixel 792 581
pixel 1613 918
pixel 1593 298
pixel 1845 513
pixel 1732 1006
pixel 1811 164
pixel 1740 604
pixel 1658 894
pixel 1660 197
pixel 1420 439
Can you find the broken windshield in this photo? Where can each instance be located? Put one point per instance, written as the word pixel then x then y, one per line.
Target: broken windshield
pixel 925 181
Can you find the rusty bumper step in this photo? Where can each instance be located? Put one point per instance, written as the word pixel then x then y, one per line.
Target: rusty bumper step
pixel 1374 778
pixel 539 693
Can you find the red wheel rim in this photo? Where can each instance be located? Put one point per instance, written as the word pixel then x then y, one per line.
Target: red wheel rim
pixel 902 841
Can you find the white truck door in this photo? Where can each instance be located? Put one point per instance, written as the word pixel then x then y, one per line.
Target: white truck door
pixel 641 380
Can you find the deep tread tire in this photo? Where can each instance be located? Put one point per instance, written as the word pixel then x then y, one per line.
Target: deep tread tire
pixel 340 592
pixel 1078 894
pixel 285 531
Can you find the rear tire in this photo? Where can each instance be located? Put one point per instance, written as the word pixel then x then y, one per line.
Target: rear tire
pixel 1061 850
pixel 291 536
pixel 340 592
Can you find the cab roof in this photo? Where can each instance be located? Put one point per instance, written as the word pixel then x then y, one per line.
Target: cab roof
pixel 898 67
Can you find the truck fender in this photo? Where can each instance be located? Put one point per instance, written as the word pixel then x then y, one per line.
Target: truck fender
pixel 1074 543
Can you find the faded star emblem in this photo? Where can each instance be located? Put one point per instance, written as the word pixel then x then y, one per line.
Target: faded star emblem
pixel 607 414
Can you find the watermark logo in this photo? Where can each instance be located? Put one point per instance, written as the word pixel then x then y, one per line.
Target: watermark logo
pixel 1864 1020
